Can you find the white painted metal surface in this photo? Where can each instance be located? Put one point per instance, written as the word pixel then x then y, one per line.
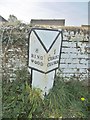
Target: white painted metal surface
pixel 37 54
pixel 41 59
pixel 44 57
pixel 43 81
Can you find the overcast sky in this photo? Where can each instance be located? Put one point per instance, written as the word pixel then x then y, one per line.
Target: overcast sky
pixel 75 12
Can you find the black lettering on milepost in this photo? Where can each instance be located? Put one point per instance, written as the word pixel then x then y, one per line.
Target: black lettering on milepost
pixel 37 62
pixel 53 57
pixel 52 63
pixel 39 57
pixel 33 55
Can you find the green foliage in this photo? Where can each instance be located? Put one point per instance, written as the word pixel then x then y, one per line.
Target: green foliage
pixel 64 99
pixel 12 18
pixel 14 96
pixel 19 100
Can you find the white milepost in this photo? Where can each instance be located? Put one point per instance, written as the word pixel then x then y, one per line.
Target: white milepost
pixel 44 57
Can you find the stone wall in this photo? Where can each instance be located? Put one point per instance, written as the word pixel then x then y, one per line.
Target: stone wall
pixel 75 57
pixel 75 60
pixel 14 49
